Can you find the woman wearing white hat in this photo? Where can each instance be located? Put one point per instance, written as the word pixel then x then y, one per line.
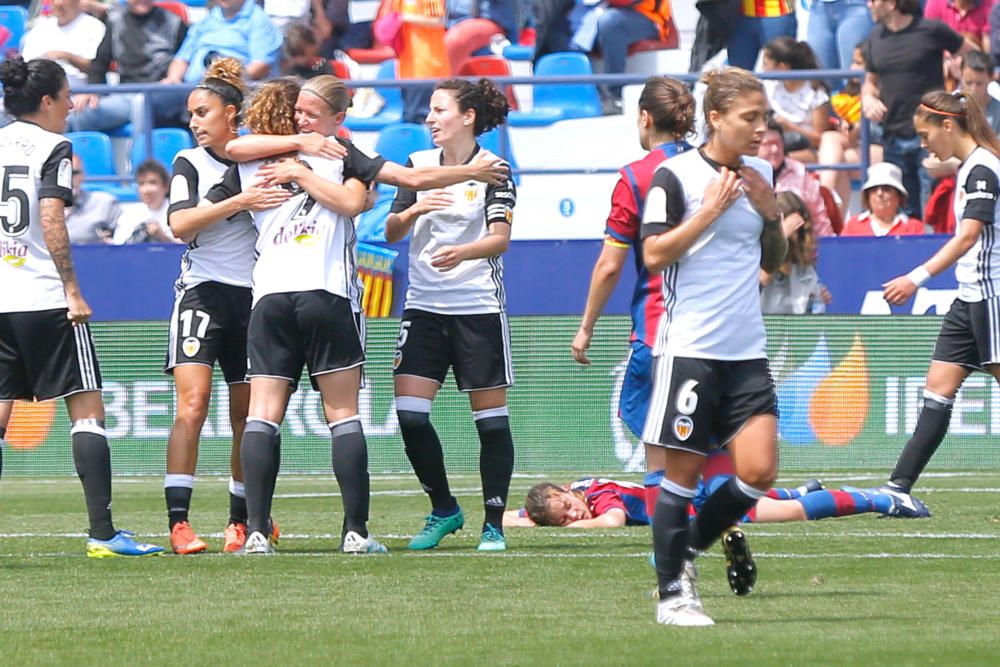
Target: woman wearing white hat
pixel 883 197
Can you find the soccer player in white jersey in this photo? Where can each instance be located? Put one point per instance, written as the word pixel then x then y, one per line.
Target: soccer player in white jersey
pixel 304 314
pixel 455 311
pixel 955 126
pixel 46 350
pixel 710 223
pixel 212 305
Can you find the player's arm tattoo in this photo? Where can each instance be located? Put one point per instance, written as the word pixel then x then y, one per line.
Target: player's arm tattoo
pixel 773 245
pixel 53 215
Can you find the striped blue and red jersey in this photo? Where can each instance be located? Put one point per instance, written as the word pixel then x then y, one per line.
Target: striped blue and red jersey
pixel 603 495
pixel 622 230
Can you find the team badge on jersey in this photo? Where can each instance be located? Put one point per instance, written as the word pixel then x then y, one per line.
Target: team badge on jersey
pixel 397 359
pixel 64 175
pixel 470 192
pixel 191 346
pixel 683 427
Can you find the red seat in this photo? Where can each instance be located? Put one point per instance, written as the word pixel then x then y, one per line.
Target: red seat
pixel 340 69
pixel 176 7
pixel 490 66
pixel 377 54
pixel 832 210
pixel 671 41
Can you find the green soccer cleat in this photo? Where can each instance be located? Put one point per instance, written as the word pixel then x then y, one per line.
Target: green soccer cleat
pixel 493 540
pixel 435 529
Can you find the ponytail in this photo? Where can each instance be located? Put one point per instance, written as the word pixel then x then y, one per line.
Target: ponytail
pixel 962 109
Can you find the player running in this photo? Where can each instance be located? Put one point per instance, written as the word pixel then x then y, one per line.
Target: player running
pixel 455 311
pixel 212 304
pixel 46 350
pixel 954 126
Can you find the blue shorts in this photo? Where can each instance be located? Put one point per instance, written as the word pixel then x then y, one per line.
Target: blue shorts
pixel 637 387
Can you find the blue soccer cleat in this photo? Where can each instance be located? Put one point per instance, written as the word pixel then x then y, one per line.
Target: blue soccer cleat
pixel 122 544
pixel 904 506
pixel 492 540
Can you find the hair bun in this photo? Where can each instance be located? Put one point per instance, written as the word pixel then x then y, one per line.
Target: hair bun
pixel 13 73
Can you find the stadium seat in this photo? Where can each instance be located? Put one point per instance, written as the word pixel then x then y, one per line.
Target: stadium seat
pixel 379 53
pixel 178 8
pixel 524 50
pixel 491 142
pixel 391 112
pixel 167 142
pixel 490 66
pixel 94 150
pixel 560 102
pixel 14 19
pixel 397 141
pixel 340 69
pixel 195 3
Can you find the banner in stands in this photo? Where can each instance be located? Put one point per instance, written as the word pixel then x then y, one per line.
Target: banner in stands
pixel 849 392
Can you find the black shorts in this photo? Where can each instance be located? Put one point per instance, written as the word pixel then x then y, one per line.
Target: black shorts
pixel 970 334
pixel 209 324
pixel 315 329
pixel 43 355
pixel 476 347
pixel 700 404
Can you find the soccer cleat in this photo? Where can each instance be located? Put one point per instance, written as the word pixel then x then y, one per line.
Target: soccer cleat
pixel 682 610
pixel 235 537
pixel 275 533
pixel 492 540
pixel 183 540
pixel 122 544
pixel 813 485
pixel 365 546
pixel 904 506
pixel 740 568
pixel 257 545
pixel 435 529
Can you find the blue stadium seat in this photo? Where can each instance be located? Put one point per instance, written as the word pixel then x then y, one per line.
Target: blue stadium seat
pixel 553 103
pixel 94 150
pixel 15 19
pixel 195 3
pixel 519 52
pixel 167 142
pixel 491 142
pixel 392 112
pixel 396 142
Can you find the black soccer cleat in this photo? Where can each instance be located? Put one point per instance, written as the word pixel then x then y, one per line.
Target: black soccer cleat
pixel 740 568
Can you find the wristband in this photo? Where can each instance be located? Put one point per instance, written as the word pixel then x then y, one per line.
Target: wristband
pixel 919 276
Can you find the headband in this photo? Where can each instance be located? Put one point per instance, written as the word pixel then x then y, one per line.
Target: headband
pixel 939 112
pixel 227 91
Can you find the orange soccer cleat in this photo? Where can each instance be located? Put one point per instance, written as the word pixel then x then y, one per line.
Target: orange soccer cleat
pixel 184 541
pixel 236 537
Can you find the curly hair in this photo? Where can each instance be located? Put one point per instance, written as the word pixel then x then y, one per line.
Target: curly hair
pixel 272 108
pixel 224 77
pixel 483 97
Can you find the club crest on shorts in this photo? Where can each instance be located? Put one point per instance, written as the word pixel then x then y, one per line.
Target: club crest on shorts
pixel 397 359
pixel 683 427
pixel 190 346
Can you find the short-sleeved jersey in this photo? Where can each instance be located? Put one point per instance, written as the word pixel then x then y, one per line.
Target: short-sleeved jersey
pixel 475 286
pixel 711 295
pixel 35 164
pixel 224 251
pixel 603 495
pixel 301 245
pixel 622 229
pixel 977 197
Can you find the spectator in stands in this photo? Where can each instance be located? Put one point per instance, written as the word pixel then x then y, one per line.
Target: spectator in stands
pixel 844 143
pixel 472 24
pixel 146 222
pixel 302 58
pixel 423 54
pixel 67 36
pixel 969 18
pixel 903 60
pixel 835 29
pixel 284 12
pixel 93 217
pixel 883 197
pixel 790 174
pixel 801 107
pixel 760 22
pixel 795 288
pixel 141 39
pixel 233 28
pixel 553 25
pixel 976 75
pixel 343 34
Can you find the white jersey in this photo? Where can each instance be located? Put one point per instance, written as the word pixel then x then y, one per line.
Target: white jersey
pixel 35 164
pixel 711 295
pixel 302 246
pixel 224 251
pixel 977 196
pixel 475 286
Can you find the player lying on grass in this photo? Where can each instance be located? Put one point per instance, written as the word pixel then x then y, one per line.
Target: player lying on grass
pixel 595 502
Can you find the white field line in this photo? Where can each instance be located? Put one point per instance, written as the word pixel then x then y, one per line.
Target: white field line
pixel 515 554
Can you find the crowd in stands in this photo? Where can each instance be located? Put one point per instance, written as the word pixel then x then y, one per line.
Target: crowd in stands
pixel 905 47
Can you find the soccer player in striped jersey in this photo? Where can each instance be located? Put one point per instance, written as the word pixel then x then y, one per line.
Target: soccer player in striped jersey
pixel 455 311
pixel 666 118
pixel 955 126
pixel 212 303
pixel 46 350
pixel 305 313
pixel 710 223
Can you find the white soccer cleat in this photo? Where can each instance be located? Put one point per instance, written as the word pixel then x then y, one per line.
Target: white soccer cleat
pixel 688 578
pixel 682 610
pixel 355 544
pixel 257 545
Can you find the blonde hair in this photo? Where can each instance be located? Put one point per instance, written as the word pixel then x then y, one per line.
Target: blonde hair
pixel 272 108
pixel 331 90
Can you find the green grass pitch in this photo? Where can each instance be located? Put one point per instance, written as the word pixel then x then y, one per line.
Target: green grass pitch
pixel 853 591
